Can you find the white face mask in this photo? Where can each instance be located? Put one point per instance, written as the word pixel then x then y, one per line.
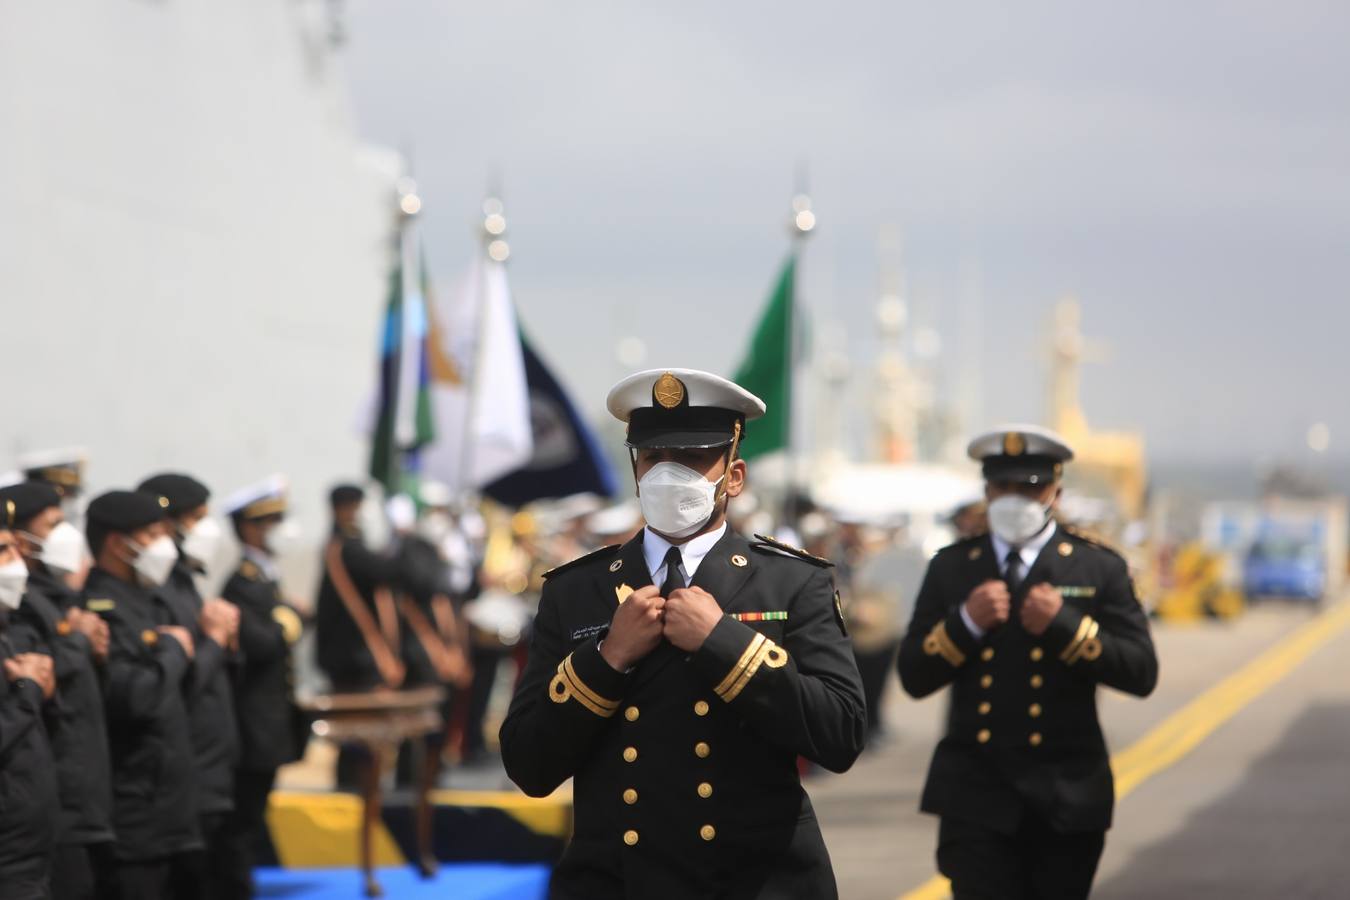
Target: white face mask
pixel 154 561
pixel 676 501
pixel 13 582
pixel 203 542
pixel 62 550
pixel 1017 519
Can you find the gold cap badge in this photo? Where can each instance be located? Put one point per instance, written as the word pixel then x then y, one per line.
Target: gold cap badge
pixel 1014 444
pixel 669 391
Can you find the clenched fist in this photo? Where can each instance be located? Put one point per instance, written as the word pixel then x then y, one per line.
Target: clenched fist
pixel 220 621
pixel 989 604
pixel 691 615
pixel 1042 604
pixel 635 629
pixel 36 667
pixel 95 630
pixel 182 636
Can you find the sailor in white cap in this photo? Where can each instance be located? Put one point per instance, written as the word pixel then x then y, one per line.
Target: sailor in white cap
pixel 1024 623
pixel 678 678
pixel 271 731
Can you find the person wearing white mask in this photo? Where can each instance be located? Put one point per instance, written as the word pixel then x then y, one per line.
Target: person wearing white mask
pixel 214 625
pixel 1024 623
pixel 272 731
pixel 678 678
pixel 28 793
pixel 51 618
pixel 147 677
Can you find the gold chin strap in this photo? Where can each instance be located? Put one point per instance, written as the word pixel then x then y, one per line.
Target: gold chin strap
pixel 731 457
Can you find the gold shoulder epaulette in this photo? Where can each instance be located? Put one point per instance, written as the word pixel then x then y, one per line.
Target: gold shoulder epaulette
pixel 768 543
pixel 603 551
pixel 1093 540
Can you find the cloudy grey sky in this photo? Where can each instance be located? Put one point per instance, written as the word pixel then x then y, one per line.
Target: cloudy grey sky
pixel 1182 168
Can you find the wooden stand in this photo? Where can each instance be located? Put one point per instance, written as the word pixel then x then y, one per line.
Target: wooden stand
pixel 380 721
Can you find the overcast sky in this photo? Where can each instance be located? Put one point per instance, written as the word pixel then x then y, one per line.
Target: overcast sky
pixel 1184 169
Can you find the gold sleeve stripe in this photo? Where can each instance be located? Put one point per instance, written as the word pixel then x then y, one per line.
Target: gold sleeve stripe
pixel 939 643
pixel 1089 648
pixel 566 685
pixel 1079 636
pixel 741 663
pixel 770 654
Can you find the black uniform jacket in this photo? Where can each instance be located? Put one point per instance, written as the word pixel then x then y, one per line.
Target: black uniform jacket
pixel 154 795
pixel 1023 735
pixel 27 777
pixel 74 716
pixel 685 769
pixel 271 731
pixel 210 697
pixel 342 651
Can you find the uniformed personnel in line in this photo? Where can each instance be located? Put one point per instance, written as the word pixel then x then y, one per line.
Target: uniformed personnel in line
pixel 272 731
pixel 51 616
pixel 678 678
pixel 1024 623
pixel 214 626
pixel 28 790
pixel 149 660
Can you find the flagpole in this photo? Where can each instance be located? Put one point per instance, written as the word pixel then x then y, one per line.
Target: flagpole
pixel 801 224
pixel 496 249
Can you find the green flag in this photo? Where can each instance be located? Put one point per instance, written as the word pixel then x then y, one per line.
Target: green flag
pixel 766 369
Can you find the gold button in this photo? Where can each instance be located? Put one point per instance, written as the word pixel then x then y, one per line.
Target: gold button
pixel 1037 681
pixel 1035 710
pixel 701 750
pixel 630 837
pixel 984 708
pixel 631 713
pixel 1035 739
pixel 1036 654
pixel 983 736
pixel 986 680
pixel 630 796
pixel 630 754
pixel 705 790
pixel 701 708
pixel 707 832
pixel 987 654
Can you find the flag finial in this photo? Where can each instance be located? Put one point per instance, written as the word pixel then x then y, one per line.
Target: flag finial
pixel 494 229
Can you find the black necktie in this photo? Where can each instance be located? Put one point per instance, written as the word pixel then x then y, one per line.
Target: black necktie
pixel 674 581
pixel 1013 573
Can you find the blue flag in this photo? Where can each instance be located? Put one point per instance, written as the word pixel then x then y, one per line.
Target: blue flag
pixel 567 457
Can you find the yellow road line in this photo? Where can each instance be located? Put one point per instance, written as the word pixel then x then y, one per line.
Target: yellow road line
pixel 1185 729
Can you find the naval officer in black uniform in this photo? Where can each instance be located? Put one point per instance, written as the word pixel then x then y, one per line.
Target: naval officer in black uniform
pixel 678 678
pixel 1024 623
pixel 272 731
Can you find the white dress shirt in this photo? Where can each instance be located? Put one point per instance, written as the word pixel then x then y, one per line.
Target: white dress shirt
pixel 263 561
pixel 654 548
pixel 1028 553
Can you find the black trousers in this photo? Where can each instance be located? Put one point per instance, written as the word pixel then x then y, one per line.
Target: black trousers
pixel 141 879
pixel 76 868
pixel 196 873
pixel 1035 863
pixel 244 831
pixel 874 668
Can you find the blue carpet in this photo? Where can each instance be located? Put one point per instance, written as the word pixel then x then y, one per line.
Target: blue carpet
pixel 464 881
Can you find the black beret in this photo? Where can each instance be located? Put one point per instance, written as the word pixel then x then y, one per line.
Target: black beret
pixel 29 499
pixel 125 511
pixel 344 494
pixel 183 492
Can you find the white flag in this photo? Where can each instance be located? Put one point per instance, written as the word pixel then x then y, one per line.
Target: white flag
pixel 478 388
